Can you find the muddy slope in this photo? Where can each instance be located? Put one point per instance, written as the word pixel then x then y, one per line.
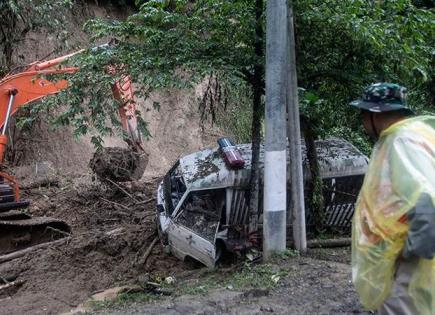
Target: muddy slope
pixel 112 228
pixel 175 128
pixel 39 143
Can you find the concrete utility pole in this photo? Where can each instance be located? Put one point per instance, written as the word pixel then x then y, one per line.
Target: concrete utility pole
pixel 297 206
pixel 274 216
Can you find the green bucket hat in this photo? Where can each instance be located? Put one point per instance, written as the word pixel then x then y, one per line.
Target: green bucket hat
pixel 383 97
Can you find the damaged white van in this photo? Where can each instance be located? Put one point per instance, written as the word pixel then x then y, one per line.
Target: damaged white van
pixel 202 205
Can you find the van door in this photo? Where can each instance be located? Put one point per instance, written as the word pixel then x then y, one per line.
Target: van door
pixel 193 231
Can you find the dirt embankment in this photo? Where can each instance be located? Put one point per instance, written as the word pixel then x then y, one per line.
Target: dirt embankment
pixel 39 143
pixel 175 128
pixel 112 227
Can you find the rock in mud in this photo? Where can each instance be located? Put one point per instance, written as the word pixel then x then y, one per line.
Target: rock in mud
pixel 118 164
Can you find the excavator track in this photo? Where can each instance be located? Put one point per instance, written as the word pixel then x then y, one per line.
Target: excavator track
pixel 17 234
pixel 19 230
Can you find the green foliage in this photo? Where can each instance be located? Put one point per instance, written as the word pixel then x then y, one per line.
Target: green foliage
pixel 202 286
pixel 330 119
pixel 91 106
pixel 342 46
pixel 35 13
pixel 249 276
pixel 264 276
pixel 167 44
pixel 367 41
pixel 201 38
pixel 286 254
pixel 123 299
pixel 18 17
pixel 236 115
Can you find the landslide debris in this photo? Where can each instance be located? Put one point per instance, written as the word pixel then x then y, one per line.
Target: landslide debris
pixel 118 164
pixel 112 228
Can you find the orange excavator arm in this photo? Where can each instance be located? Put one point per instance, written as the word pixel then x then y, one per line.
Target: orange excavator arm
pixel 19 89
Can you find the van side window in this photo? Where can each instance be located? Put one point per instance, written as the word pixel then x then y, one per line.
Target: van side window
pixel 173 188
pixel 201 212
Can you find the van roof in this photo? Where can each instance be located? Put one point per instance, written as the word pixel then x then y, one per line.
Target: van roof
pixel 206 169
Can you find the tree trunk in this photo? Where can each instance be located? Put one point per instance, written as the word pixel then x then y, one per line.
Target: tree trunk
pixel 257 113
pixel 8 30
pixel 314 189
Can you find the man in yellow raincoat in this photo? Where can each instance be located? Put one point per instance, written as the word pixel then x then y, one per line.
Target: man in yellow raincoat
pixel 393 234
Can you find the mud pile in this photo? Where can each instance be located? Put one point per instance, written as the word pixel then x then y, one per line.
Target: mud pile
pixel 112 226
pixel 118 164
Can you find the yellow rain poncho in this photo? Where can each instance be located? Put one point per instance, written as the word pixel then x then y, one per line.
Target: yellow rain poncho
pixel 402 167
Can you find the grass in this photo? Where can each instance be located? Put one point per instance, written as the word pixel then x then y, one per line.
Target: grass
pixel 123 299
pixel 246 276
pixel 264 276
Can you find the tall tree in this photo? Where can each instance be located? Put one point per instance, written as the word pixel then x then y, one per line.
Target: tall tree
pixel 178 44
pixel 341 47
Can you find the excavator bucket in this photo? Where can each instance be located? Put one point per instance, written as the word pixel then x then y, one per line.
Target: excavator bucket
pixel 118 164
pixel 19 230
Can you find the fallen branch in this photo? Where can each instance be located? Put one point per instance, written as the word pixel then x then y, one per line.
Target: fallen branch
pixel 149 215
pixel 58 231
pixel 328 243
pixel 153 180
pixel 8 279
pixel 156 288
pixel 148 251
pixel 123 190
pixel 6 298
pixel 115 203
pixel 338 242
pixel 115 232
pixel 146 201
pixel 20 253
pixel 46 182
pixel 11 284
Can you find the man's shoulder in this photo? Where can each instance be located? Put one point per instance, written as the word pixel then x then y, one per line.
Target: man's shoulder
pixel 410 140
pixel 415 127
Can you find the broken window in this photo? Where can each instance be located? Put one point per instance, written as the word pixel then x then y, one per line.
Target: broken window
pixel 174 187
pixel 201 212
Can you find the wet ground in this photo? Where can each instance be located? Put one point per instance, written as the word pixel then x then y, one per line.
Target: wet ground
pixel 304 286
pixel 113 228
